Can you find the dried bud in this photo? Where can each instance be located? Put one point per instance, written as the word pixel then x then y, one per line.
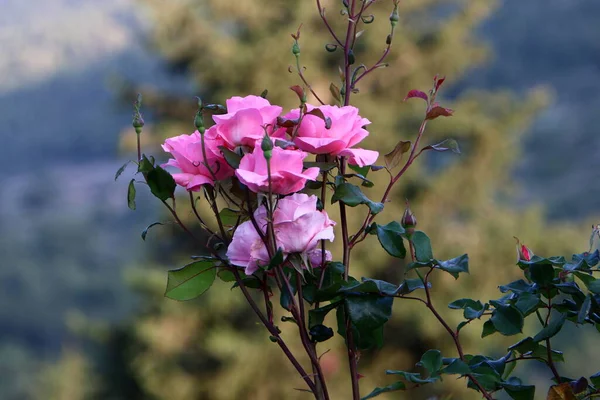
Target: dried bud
pixel 409 221
pixel 523 252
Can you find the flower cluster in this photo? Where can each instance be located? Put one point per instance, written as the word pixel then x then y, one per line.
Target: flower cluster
pixel 247 121
pixel 297 223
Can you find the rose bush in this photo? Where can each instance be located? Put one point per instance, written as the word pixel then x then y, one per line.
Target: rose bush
pixel 271 237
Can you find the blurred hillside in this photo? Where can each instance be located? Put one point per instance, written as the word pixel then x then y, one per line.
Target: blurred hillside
pixel 66 235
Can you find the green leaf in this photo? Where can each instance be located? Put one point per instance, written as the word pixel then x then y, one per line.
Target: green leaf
pixel 390 237
pixel 251 282
pixel 334 273
pixel 524 346
pixel 368 312
pixel 230 217
pixel 120 170
pixel 519 286
pixel 431 361
pixel 594 286
pixel 552 329
pixel 457 367
pixel 519 392
pixel 368 285
pixel 488 329
pixel 320 333
pixel 393 158
pixel 191 281
pixel 389 388
pixel 145 165
pixel 507 320
pixel 317 316
pixel 359 170
pixel 276 261
pixel 509 367
pixel 595 379
pixel 422 246
pixel 528 303
pixel 162 185
pixel 542 353
pixel 410 285
pixel 448 144
pixel 585 309
pixel 352 196
pixel 145 232
pixel 455 265
pixel 232 158
pixel 323 166
pixel 473 309
pixel 226 275
pixel 131 195
pixel 412 377
pixel 285 297
pixel 542 273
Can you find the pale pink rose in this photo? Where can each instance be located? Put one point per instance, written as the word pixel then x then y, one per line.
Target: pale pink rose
pixel 345 132
pixel 298 227
pixel 188 157
pixel 286 171
pixel 245 121
pixel 247 249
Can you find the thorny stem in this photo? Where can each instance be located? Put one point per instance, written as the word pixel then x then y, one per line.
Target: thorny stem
pixel 348 43
pixel 312 347
pixel 301 75
pixel 413 155
pixel 550 362
pixel 213 205
pixel 275 333
pixel 331 32
pixel 451 332
pixel 323 254
pixel 202 223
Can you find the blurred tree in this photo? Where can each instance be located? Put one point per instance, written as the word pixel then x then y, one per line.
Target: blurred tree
pixel 212 348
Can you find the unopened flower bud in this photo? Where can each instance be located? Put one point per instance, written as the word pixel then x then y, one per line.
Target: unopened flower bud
pixel 296 49
pixel 138 122
pixel 267 146
pixel 523 252
pixel 409 221
pixel 199 122
pixel 394 18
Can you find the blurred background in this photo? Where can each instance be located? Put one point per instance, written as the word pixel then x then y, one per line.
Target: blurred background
pixel 81 309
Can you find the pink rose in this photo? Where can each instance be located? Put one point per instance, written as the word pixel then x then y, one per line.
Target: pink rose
pixel 247 249
pixel 286 171
pixel 188 157
pixel 346 131
pixel 244 122
pixel 298 227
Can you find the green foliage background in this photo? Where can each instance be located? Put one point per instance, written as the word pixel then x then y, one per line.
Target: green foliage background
pixel 213 348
